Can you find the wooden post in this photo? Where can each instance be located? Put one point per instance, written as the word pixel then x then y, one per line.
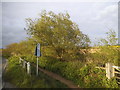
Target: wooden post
pixel 20 61
pixel 28 67
pixel 24 62
pixel 109 70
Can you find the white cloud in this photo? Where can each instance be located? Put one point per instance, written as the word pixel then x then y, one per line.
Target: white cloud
pixel 110 11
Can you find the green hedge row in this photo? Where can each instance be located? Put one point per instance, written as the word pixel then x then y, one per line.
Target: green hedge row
pixel 84 75
pixel 18 76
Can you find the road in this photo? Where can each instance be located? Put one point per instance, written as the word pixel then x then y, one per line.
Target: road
pixel 2 68
pixel 3 84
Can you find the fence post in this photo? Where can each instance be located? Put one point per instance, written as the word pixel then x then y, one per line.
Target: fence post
pixel 20 61
pixel 109 70
pixel 28 67
pixel 24 62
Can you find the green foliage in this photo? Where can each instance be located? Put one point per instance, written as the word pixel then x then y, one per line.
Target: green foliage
pixel 57 32
pixel 58 35
pixel 107 51
pixel 110 83
pixel 61 43
pixel 16 75
pixel 105 54
pixel 10 50
pixel 84 75
pixel 22 49
pixel 111 38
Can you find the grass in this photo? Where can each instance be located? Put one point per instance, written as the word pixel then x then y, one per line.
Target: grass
pixel 83 74
pixel 16 75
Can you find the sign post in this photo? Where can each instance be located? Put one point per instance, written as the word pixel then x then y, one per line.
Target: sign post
pixel 37 67
pixel 38 54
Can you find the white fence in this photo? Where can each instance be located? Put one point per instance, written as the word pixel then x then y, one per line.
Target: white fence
pixel 112 71
pixel 26 64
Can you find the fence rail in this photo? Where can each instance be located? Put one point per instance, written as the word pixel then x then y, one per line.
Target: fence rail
pixel 101 67
pixel 30 67
pixel 26 64
pixel 116 67
pixel 112 71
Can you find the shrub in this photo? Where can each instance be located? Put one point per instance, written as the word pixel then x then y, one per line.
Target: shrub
pixel 84 75
pixel 16 75
pixel 106 54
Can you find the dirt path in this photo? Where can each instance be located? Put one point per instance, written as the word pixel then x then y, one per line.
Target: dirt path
pixel 57 77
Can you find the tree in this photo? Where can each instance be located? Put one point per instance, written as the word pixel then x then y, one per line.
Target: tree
pixel 107 52
pixel 111 38
pixel 57 32
pixel 23 48
pixel 10 50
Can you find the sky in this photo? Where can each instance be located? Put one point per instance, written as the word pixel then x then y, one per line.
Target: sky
pixel 93 18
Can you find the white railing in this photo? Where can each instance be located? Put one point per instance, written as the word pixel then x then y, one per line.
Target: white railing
pixel 117 71
pixel 26 64
pixel 111 71
pixel 116 67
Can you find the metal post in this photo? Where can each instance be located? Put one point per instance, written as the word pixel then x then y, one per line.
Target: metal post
pixel 37 67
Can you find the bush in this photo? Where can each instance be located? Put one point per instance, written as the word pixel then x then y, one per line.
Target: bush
pixel 84 75
pixel 106 54
pixel 16 75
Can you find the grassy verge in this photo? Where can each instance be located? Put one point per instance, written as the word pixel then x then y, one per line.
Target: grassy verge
pixel 16 75
pixel 84 75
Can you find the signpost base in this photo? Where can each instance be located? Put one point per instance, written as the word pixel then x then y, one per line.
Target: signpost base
pixel 37 68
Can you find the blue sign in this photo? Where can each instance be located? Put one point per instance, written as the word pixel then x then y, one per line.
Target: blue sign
pixel 37 50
